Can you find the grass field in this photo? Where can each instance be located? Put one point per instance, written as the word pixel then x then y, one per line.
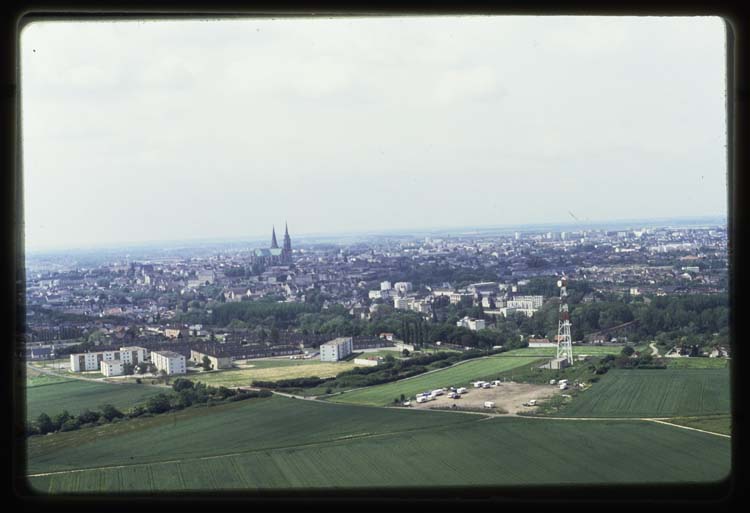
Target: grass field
pixel 654 393
pixel 713 423
pixel 271 370
pixel 456 375
pixel 53 394
pixel 552 351
pixel 279 443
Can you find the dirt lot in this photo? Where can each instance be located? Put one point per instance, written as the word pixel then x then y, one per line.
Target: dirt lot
pixel 508 398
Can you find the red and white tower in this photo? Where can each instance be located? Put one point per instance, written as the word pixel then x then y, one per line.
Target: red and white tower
pixel 564 340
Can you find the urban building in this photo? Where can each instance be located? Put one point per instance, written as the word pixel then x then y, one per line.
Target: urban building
pixel 80 362
pixel 472 324
pixel 217 361
pixel 168 361
pixel 112 368
pixel 336 349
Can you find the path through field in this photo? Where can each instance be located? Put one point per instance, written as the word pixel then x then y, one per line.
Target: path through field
pixel 654 350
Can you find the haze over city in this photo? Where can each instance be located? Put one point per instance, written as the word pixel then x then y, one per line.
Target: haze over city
pixel 171 130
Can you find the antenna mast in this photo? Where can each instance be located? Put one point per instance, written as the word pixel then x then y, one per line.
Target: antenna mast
pixel 564 340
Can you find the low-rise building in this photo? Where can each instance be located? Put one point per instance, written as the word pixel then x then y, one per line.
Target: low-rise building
pixel 336 349
pixel 168 361
pixel 80 362
pixel 217 361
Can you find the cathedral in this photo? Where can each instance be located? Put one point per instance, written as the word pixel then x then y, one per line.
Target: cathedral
pixel 275 254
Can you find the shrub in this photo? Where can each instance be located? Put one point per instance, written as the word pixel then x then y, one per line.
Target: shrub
pixel 88 417
pixel 70 425
pixel 110 412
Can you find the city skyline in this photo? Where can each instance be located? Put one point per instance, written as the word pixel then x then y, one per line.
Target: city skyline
pixel 180 136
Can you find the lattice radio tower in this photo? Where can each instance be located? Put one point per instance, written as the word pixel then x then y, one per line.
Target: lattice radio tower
pixel 564 341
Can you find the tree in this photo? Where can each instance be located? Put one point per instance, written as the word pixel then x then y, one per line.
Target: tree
pixel 128 368
pixel 405 352
pixel 44 424
pixel 109 412
pixel 158 404
pixel 627 351
pixel 60 419
pixel 207 363
pixel 182 384
pixel 88 416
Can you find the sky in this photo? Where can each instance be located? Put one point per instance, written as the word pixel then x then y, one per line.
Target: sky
pixel 175 130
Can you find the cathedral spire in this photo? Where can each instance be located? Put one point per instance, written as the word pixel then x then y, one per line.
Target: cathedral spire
pixel 274 244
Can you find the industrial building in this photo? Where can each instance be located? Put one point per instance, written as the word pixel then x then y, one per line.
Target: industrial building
pixel 336 349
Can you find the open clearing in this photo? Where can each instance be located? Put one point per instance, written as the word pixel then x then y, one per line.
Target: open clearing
pixel 279 443
pixel 508 398
pixel 272 370
pixel 654 393
pixel 457 375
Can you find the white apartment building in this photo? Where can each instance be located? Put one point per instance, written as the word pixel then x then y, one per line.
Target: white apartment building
pixel 80 362
pixel 403 286
pixel 401 303
pixel 385 285
pixel 510 311
pixel 519 304
pixel 336 349
pixel 536 301
pixel 112 368
pixel 168 361
pixel 472 324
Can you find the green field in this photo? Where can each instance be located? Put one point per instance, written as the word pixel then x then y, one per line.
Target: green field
pixel 552 351
pixel 713 423
pixel 53 394
pixel 279 443
pixel 654 393
pixel 460 374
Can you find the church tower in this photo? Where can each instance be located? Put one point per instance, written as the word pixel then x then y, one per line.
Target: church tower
pixel 286 254
pixel 274 244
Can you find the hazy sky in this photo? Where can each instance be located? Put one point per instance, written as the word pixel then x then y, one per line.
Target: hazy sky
pixel 163 130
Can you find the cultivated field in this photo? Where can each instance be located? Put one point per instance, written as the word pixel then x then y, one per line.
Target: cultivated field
pixel 272 370
pixel 279 443
pixel 53 394
pixel 457 375
pixel 654 393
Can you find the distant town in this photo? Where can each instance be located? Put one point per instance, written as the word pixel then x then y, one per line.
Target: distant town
pixel 178 304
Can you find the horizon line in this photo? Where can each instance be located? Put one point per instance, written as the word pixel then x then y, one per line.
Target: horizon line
pixel 376 232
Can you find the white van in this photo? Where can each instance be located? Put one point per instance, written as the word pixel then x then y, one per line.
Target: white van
pixel 489 404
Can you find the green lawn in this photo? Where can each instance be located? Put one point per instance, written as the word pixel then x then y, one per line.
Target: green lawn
pixel 52 395
pixel 654 393
pixel 279 443
pixel 460 374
